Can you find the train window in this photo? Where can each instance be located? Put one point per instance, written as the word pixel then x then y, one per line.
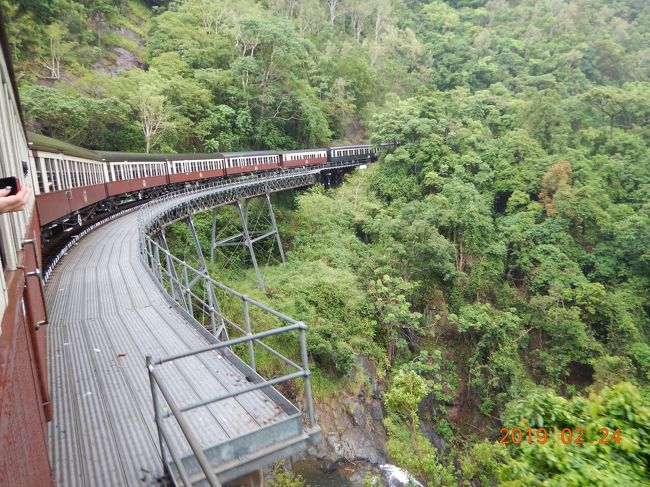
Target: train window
pixel 51 178
pixel 66 171
pixel 40 173
pixel 78 173
pixel 73 174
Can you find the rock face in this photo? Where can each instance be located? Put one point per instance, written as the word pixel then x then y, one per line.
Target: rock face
pixel 354 428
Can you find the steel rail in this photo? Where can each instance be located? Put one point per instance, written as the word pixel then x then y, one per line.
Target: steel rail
pixel 245 390
pixel 187 431
pixel 230 343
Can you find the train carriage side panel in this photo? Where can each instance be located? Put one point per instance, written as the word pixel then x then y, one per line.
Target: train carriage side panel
pixel 148 182
pixel 86 195
pixel 52 206
pixel 118 187
pixel 307 157
pixel 248 162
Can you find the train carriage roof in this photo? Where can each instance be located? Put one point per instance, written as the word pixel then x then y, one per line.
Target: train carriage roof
pixel 252 154
pixel 300 151
pixel 47 144
pixel 141 157
pixel 358 146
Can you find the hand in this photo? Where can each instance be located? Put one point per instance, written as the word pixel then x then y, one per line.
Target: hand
pixel 14 202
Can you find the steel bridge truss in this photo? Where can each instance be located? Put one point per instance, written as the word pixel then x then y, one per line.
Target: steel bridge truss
pixel 234 325
pixel 256 227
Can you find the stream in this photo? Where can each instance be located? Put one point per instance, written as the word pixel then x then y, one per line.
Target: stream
pixel 348 474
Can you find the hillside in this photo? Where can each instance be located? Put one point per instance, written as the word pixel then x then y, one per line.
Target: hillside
pixel 491 272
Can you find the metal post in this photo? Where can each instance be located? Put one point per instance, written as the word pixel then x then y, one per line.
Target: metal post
pixel 199 252
pixel 174 281
pixel 156 252
pixel 247 321
pixel 211 302
pixel 275 227
pixel 188 292
pixel 149 254
pixel 156 410
pixel 213 240
pixel 191 439
pixel 243 215
pixel 305 367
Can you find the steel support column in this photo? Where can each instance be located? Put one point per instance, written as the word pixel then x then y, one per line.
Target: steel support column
pixel 243 215
pixel 199 252
pixel 212 298
pixel 248 236
pixel 275 227
pixel 177 291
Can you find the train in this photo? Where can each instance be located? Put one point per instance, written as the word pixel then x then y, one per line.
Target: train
pixel 72 183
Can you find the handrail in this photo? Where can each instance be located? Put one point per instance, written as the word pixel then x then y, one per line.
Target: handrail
pixel 177 278
pixel 230 343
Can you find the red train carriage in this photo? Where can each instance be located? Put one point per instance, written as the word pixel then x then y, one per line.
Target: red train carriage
pixel 193 167
pixel 245 162
pixel 69 177
pixel 128 172
pixel 350 153
pixel 304 157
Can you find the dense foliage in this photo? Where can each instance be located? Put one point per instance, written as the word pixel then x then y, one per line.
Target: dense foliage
pixel 200 75
pixel 495 265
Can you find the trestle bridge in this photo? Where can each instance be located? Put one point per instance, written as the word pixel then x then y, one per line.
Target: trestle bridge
pixel 122 364
pixel 120 295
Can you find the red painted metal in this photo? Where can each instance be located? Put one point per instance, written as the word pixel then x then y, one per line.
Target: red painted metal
pixel 149 182
pixel 196 175
pixel 308 161
pixel 52 206
pixel 232 171
pixel 118 187
pixel 316 161
pixel 24 401
pixel 86 195
pixel 180 177
pixel 213 173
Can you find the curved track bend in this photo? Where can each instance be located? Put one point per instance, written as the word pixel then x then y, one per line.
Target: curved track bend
pixel 106 314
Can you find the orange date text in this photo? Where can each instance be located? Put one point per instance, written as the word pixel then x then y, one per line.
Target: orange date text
pixel 567 436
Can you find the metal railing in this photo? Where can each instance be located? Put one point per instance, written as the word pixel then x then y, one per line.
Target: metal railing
pixel 195 292
pixel 167 276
